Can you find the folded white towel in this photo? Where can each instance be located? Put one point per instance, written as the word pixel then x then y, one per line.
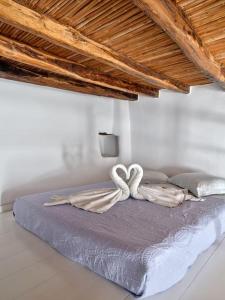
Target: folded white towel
pixel 163 194
pixel 100 200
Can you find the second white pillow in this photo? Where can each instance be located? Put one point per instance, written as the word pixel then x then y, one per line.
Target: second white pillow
pixel 153 176
pixel 200 184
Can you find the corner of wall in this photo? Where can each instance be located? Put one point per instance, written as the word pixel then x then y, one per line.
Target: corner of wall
pixel 121 126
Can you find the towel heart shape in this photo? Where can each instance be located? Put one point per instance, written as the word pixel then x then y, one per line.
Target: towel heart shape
pixel 128 174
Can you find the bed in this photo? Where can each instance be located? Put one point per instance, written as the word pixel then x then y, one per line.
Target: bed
pixel 143 247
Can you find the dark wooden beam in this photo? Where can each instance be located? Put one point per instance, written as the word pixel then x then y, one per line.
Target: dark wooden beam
pixel 17 73
pixel 65 36
pixel 174 22
pixel 23 53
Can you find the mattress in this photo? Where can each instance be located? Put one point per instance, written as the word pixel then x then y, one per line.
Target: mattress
pixel 144 247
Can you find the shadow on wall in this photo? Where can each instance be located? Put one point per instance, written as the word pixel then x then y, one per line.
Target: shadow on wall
pixel 61 152
pixel 121 127
pixel 53 181
pixel 77 169
pixel 185 132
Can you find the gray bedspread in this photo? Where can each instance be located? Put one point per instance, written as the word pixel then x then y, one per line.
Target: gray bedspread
pixel 143 247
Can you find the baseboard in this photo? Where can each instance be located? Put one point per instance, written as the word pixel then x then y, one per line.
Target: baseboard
pixel 6 207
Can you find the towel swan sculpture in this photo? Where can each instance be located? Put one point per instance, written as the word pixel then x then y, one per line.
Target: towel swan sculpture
pixel 99 200
pixel 169 196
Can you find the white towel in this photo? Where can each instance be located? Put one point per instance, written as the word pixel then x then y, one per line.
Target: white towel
pixel 166 194
pixel 99 200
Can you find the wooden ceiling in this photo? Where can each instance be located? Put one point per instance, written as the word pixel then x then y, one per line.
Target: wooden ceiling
pixel 117 48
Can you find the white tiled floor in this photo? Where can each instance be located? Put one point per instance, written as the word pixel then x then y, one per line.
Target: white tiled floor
pixel 31 270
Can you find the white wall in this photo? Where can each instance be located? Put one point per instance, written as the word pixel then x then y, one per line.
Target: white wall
pixel 180 130
pixel 49 138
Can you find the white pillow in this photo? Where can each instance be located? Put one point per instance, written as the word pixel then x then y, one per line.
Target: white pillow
pixel 151 176
pixel 200 184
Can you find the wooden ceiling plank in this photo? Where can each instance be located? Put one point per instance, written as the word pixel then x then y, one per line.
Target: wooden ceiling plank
pixel 205 7
pixel 173 21
pixel 128 22
pixel 103 16
pixel 23 53
pixel 69 38
pixel 8 71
